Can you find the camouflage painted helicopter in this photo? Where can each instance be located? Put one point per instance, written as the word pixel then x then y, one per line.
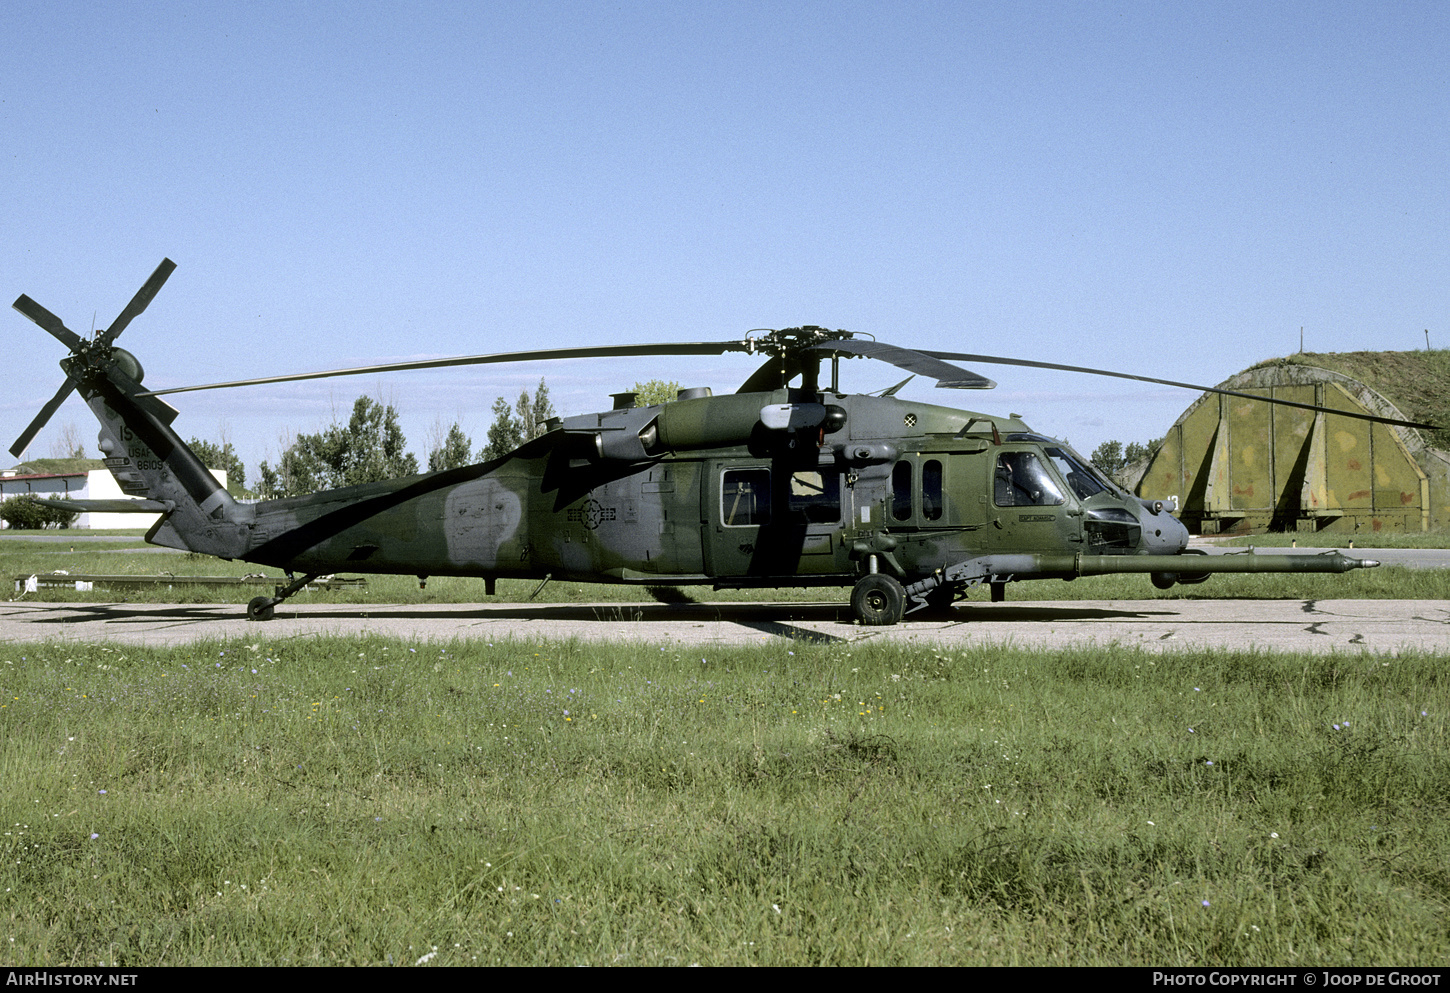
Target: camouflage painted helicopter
pixel 776 485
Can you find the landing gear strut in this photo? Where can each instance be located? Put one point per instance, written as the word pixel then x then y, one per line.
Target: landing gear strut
pixel 260 609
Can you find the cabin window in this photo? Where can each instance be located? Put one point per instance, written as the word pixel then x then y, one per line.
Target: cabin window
pixel 1023 481
pixel 901 491
pixel 815 498
pixel 745 497
pixel 931 490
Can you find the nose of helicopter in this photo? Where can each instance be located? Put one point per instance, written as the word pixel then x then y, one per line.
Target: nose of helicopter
pixel 1163 534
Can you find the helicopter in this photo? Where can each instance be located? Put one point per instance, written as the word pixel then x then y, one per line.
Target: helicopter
pixel 776 485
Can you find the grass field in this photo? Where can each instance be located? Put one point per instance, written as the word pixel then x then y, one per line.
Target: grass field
pixel 380 802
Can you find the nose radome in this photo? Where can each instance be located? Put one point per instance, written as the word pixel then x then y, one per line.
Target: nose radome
pixel 1164 534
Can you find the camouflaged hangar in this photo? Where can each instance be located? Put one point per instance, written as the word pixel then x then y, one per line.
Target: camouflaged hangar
pixel 1238 466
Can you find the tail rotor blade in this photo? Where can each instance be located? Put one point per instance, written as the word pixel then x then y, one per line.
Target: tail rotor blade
pixel 50 408
pixel 140 301
pixel 47 320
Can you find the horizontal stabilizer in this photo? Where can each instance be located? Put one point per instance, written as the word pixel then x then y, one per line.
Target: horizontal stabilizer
pixel 108 506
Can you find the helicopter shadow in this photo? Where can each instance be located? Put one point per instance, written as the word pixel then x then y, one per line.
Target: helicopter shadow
pixel 782 620
pixel 697 614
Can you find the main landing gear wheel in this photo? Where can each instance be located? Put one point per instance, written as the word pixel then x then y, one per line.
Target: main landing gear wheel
pixel 878 600
pixel 260 609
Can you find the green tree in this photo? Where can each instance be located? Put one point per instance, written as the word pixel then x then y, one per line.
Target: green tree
pixel 269 482
pixel 504 434
pixel 1114 456
pixel 1108 457
pixel 543 410
pixel 368 448
pixel 27 513
pixel 512 426
pixel 221 456
pixel 1134 452
pixel 378 450
pixel 452 451
pixel 653 392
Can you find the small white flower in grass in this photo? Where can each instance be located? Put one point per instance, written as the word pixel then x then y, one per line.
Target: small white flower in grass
pixel 427 958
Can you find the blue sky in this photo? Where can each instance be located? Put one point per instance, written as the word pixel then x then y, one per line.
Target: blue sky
pixel 1167 189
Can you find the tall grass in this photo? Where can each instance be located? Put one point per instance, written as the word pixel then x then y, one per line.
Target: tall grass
pixel 366 801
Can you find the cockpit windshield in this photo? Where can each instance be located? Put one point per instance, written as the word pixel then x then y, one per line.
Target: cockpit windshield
pixel 1082 478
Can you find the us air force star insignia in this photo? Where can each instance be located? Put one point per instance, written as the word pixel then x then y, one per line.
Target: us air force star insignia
pixel 593 514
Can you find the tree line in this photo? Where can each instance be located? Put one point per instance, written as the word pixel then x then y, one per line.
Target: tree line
pixel 1112 456
pixel 370 447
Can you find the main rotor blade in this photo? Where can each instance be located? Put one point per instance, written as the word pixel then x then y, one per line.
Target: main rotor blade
pixel 922 363
pixel 140 301
pixel 1030 364
pixel 49 409
pixel 592 352
pixel 47 320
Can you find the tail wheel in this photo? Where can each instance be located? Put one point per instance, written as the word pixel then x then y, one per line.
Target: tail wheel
pixel 260 609
pixel 878 601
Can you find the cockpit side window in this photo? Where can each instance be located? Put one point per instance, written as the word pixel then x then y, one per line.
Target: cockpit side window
pixel 1023 481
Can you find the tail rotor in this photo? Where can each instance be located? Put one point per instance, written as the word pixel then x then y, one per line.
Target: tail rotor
pixel 88 358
